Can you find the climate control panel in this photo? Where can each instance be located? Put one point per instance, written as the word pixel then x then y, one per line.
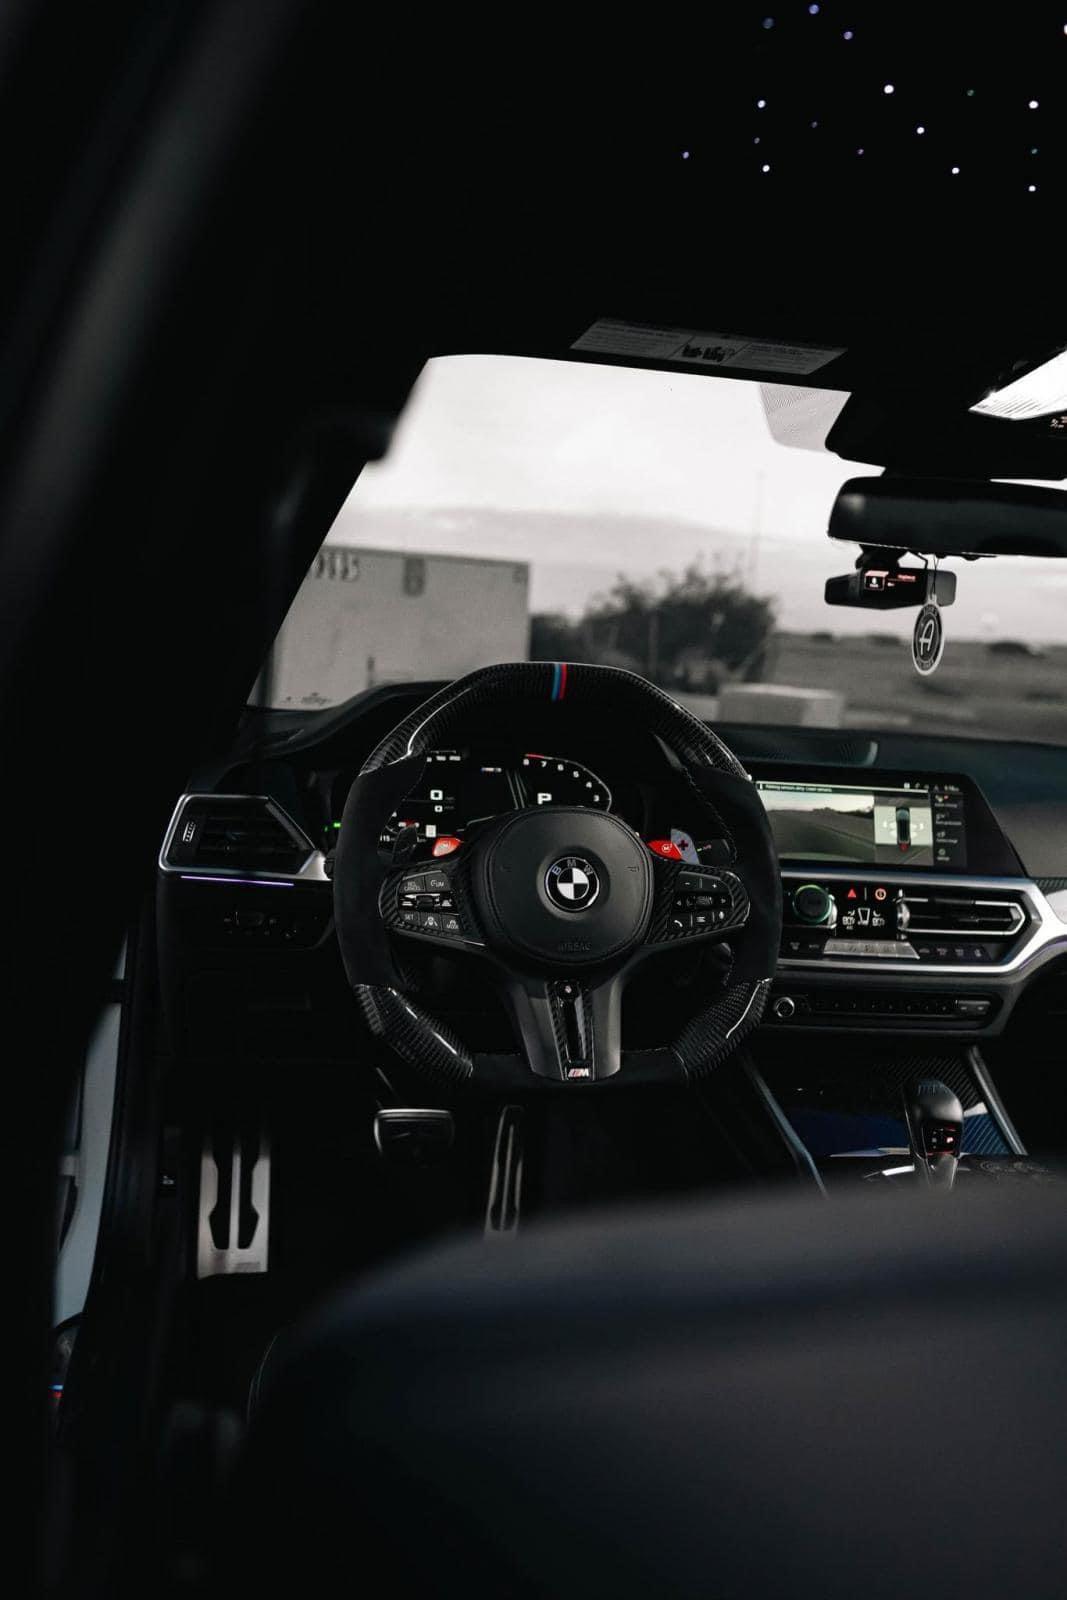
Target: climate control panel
pixel 859 910
pixel 841 917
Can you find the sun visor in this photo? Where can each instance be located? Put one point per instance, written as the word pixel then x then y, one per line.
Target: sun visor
pixel 941 437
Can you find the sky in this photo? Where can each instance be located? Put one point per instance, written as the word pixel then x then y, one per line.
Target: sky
pixel 587 471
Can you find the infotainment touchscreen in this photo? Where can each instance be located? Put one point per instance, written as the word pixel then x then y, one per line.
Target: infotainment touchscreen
pixel 916 825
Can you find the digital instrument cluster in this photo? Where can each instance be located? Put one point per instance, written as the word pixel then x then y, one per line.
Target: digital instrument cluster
pixel 459 788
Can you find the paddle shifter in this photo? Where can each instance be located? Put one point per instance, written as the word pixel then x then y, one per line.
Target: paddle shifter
pixel 934 1118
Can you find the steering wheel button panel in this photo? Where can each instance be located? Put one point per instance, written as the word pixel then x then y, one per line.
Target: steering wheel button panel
pixel 705 904
pixel 423 904
pixel 699 882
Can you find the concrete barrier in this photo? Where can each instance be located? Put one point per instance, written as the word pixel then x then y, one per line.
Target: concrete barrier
pixel 778 703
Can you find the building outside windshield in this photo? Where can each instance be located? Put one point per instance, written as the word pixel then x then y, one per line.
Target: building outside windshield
pixel 671 524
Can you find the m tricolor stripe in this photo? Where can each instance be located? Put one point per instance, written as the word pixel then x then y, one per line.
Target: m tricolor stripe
pixel 559 680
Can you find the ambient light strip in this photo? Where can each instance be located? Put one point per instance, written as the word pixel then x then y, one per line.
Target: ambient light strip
pixel 255 883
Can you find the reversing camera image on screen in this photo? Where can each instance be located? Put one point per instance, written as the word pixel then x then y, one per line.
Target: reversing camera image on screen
pixel 880 827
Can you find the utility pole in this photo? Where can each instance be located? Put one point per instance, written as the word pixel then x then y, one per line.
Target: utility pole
pixel 757 530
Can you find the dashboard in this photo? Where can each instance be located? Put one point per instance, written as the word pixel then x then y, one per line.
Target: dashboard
pixel 461 788
pixel 919 822
pixel 905 903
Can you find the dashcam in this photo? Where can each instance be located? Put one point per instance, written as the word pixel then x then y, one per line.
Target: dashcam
pixel 887 588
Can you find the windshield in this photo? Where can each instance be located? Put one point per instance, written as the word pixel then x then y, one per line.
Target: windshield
pixel 653 521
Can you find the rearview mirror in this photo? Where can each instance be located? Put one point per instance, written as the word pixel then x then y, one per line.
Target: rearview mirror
pixel 951 517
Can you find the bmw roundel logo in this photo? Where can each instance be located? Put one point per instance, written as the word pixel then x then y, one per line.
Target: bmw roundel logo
pixel 572 883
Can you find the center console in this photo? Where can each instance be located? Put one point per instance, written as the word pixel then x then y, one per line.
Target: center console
pixel 903 904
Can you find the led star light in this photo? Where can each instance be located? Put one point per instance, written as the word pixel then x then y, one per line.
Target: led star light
pixel 1039 394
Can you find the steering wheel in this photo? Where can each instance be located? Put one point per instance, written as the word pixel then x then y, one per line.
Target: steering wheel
pixel 565 902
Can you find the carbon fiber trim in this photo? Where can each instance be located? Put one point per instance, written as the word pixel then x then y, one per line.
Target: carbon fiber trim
pixel 716 1033
pixel 607 690
pixel 661 930
pixel 982 1137
pixel 898 1068
pixel 559 992
pixel 418 1039
pixel 866 1092
pixel 890 1065
pixel 663 901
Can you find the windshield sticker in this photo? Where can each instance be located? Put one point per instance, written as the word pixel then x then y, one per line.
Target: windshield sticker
pixel 695 348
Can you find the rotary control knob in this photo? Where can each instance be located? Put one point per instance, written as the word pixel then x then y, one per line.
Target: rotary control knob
pixel 814 904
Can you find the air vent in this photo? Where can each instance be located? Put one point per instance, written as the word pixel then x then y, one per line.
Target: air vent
pixel 986 916
pixel 235 833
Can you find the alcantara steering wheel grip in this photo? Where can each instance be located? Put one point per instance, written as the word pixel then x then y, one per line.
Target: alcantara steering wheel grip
pixel 563 902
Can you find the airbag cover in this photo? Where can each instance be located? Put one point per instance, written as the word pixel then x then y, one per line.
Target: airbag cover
pixel 564 886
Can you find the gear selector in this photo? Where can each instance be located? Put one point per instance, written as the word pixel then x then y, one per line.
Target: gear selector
pixel 934 1119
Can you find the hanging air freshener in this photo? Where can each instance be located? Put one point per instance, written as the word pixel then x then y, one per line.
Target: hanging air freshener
pixel 928 635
